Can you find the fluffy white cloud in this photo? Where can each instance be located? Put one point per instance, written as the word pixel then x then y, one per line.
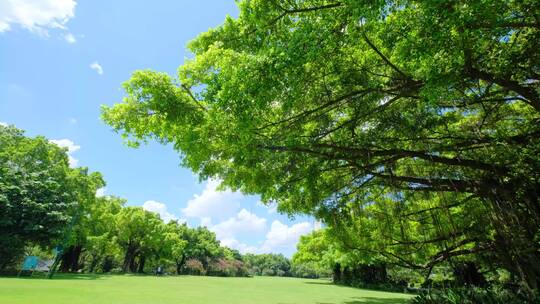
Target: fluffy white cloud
pixel 69 38
pixel 235 244
pixel 101 192
pixel 282 237
pixel 213 204
pixel 233 224
pixel 71 148
pixel 243 222
pixel 37 16
pixel 96 67
pixel 160 209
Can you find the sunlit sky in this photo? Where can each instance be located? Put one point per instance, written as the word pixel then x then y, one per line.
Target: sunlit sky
pixel 61 59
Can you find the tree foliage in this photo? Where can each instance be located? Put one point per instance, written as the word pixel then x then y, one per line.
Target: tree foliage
pixel 410 127
pixel 268 264
pixel 37 197
pixel 45 204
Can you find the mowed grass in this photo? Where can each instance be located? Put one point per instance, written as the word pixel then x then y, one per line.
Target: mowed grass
pixel 74 289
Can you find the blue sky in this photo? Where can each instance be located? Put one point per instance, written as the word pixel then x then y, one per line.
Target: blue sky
pixel 61 59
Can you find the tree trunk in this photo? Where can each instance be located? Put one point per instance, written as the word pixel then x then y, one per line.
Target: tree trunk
pixel 336 274
pixel 180 263
pixel 128 259
pixel 142 260
pixel 74 267
pixel 70 259
pixel 67 256
pixel 93 264
pixel 178 267
pixel 132 263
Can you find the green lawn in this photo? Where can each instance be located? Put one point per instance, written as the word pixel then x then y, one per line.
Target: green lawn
pixel 73 289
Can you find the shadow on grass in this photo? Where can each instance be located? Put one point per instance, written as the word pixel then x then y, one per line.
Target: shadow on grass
pixel 372 300
pixel 361 300
pixel 320 283
pixel 60 276
pixel 85 277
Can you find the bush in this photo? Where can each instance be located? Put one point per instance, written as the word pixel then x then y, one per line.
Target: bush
pixel 268 272
pixel 194 267
pixel 227 268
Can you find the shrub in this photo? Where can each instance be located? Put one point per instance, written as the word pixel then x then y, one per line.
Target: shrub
pixel 227 268
pixel 194 267
pixel 268 272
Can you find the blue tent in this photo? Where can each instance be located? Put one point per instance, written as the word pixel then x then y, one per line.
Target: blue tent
pixel 30 262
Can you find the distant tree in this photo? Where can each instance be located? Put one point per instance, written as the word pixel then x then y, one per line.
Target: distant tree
pixel 268 264
pixel 140 233
pixel 201 245
pixel 102 233
pixel 175 243
pixel 323 252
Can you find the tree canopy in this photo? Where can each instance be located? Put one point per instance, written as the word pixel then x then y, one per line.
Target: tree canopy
pixel 37 200
pixel 410 127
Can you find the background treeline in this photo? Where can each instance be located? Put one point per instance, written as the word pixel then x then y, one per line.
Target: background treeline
pixel 44 204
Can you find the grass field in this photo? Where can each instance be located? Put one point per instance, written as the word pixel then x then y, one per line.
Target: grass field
pixel 74 289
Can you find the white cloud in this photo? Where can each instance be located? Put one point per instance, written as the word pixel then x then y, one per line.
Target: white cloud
pixel 282 237
pixel 160 209
pixel 71 148
pixel 235 244
pixel 213 204
pixel 233 224
pixel 69 38
pixel 96 67
pixel 243 222
pixel 73 121
pixel 37 16
pixel 101 192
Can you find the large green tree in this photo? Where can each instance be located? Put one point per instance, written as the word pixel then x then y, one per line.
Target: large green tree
pixel 416 121
pixel 37 198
